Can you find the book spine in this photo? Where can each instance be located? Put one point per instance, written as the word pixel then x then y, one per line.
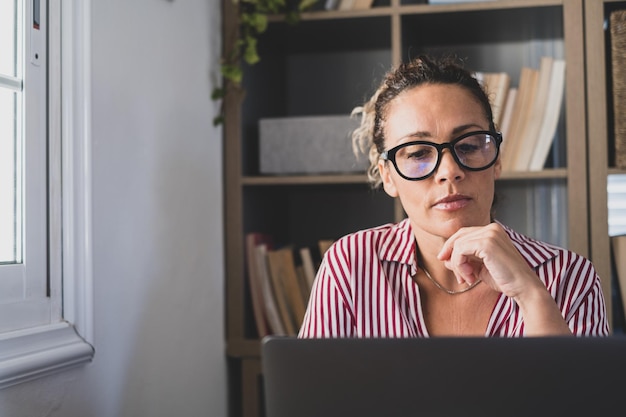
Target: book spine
pixel 254 282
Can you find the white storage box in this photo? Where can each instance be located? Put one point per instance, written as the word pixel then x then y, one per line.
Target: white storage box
pixel 309 145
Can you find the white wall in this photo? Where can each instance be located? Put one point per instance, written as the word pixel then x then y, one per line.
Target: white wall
pixel 157 232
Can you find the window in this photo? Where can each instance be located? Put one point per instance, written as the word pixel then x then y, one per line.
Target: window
pixel 45 291
pixel 23 181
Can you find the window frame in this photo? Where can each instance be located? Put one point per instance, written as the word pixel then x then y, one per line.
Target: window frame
pixel 24 298
pixel 66 342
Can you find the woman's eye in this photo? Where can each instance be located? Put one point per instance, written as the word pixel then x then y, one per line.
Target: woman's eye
pixel 420 154
pixel 466 148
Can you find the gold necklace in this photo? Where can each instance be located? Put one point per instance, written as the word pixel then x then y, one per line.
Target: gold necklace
pixel 441 287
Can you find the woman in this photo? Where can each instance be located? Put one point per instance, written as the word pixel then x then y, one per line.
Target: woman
pixel 449 269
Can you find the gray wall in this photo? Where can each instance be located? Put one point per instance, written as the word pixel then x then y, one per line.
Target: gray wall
pixel 157 222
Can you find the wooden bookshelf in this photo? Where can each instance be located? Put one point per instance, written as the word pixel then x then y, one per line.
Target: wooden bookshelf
pixel 600 136
pixel 330 62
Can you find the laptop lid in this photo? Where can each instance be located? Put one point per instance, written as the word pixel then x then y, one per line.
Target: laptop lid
pixel 554 376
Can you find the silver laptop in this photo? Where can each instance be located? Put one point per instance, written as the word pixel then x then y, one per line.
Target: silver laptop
pixel 530 377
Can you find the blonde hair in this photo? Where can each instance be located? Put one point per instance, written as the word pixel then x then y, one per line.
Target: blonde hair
pixel 363 137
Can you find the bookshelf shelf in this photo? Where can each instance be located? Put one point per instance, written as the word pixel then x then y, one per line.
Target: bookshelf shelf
pixel 361 179
pixel 616 171
pixel 535 175
pixel 399 8
pixel 329 63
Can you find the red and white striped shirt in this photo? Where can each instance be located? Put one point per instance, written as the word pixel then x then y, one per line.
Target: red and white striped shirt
pixel 364 288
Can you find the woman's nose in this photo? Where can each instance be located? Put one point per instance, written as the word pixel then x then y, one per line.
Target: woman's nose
pixel 448 168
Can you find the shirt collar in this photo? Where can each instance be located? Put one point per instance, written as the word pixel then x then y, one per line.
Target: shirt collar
pixel 399 246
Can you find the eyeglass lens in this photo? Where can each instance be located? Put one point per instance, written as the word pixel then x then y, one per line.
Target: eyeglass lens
pixel 473 152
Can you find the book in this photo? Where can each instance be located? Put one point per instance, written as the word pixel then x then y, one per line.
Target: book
pixel 525 96
pixel 292 303
pixel 345 4
pixel 454 1
pixel 280 293
pixel 255 284
pixel 485 80
pixel 362 4
pixel 308 266
pixel 509 121
pixel 618 248
pixel 302 283
pixel 617 30
pixel 500 90
pixel 505 120
pixel 331 4
pixel 551 115
pixel 323 245
pixel 496 86
pixel 272 309
pixel 530 130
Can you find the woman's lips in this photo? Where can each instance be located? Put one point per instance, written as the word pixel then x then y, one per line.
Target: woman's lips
pixel 452 202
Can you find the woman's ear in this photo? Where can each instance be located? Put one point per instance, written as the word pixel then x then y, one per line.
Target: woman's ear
pixel 389 185
pixel 497 171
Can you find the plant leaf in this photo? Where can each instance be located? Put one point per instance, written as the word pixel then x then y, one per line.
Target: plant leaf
pixel 255 21
pixel 250 55
pixel 306 4
pixel 253 18
pixel 232 73
pixel 218 93
pixel 218 120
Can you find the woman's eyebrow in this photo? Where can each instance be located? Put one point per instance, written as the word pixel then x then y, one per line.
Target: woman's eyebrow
pixel 460 129
pixel 419 135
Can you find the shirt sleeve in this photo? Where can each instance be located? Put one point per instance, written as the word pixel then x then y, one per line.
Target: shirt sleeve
pixel 589 316
pixel 328 313
pixel 577 290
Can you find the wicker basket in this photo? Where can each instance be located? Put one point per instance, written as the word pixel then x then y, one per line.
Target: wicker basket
pixel 618 59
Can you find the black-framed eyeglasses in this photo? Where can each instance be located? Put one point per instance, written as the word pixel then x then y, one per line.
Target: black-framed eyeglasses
pixel 418 160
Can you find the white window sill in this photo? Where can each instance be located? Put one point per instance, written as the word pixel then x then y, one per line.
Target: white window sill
pixel 39 351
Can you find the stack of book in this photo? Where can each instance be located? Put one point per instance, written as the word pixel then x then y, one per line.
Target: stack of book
pixel 527 115
pixel 280 281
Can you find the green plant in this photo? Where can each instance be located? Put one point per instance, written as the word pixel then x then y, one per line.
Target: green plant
pixel 252 17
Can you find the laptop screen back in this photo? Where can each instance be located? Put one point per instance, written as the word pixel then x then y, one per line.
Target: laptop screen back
pixel 553 376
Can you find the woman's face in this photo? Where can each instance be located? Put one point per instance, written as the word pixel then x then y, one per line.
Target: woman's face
pixel 452 197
